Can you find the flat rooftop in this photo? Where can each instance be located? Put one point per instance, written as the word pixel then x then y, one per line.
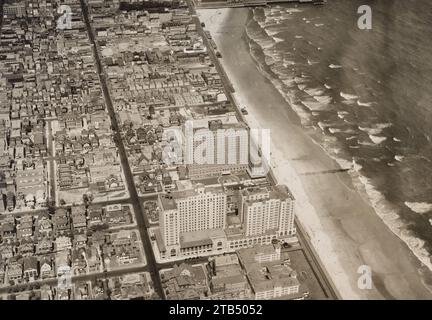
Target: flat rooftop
pixel 200 238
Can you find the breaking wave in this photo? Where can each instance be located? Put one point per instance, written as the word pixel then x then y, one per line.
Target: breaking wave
pixel 318 101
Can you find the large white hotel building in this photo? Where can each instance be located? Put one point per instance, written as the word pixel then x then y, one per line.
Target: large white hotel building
pixel 217 148
pixel 194 222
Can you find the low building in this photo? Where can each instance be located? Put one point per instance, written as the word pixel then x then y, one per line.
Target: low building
pixel 116 214
pixel 269 277
pixel 130 286
pixel 30 268
pixel 63 243
pixel 185 282
pixel 79 218
pixel 44 245
pixel 2 273
pixel 227 279
pixel 44 226
pixel 15 272
pixel 46 268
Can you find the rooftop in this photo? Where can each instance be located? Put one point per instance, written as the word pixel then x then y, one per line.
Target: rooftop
pixel 200 238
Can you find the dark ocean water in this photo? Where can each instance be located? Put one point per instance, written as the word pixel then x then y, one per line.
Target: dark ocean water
pixel 365 96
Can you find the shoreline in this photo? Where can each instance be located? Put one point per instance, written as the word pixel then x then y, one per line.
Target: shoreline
pixel 342 225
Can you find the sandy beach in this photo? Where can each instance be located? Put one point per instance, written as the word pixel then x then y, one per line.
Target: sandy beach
pixel 338 217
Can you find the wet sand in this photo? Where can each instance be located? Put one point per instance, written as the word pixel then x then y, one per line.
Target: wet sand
pixel 338 217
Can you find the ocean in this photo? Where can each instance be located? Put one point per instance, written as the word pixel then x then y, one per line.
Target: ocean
pixel 363 95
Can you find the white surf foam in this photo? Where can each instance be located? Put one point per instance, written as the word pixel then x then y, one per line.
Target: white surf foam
pixel 271 32
pixel 348 96
pixel 314 91
pixel 399 158
pixel 383 208
pixel 322 125
pixel 288 82
pixel 315 105
pixel 342 114
pixel 371 131
pixel 323 99
pixel 383 125
pixel 365 143
pixel 364 104
pixel 377 139
pixel 292 10
pixel 335 130
pixel 419 207
pixel 389 215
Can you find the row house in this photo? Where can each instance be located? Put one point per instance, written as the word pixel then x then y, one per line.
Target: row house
pixel 2 273
pixel 116 214
pixel 79 263
pixel 30 268
pixel 15 272
pixel 93 259
pixel 70 121
pixel 79 219
pixel 8 229
pixel 61 222
pixel 63 243
pixel 80 240
pixel 44 226
pixel 95 216
pixel 25 227
pixel 70 177
pixel 44 246
pixel 7 251
pixel 62 263
pixel 46 268
pixel 26 248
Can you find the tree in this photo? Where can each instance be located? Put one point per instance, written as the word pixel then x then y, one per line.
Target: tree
pixel 85 199
pixel 90 197
pixel 51 207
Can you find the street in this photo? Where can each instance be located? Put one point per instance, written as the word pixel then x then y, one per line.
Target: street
pixel 141 220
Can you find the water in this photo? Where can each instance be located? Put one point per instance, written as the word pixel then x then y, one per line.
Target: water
pixel 364 96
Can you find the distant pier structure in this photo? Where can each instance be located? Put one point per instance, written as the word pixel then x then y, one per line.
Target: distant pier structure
pixel 247 3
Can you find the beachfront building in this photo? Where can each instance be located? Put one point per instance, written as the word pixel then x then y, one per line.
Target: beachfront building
pixel 269 276
pixel 216 149
pixel 195 221
pixel 192 221
pixel 267 209
pixel 265 214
